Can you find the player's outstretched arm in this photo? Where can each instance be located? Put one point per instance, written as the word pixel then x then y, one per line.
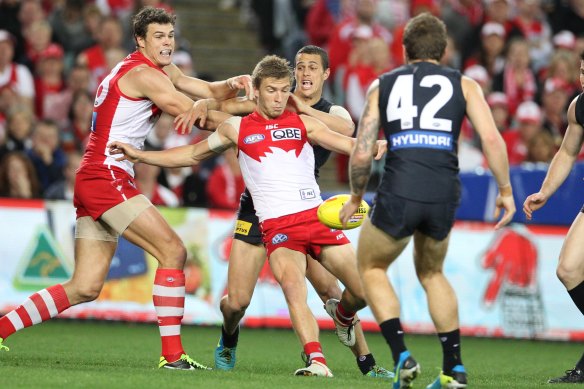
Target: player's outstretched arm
pixel 494 148
pixel 560 166
pixel 362 154
pixel 338 119
pixel 223 138
pixel 200 89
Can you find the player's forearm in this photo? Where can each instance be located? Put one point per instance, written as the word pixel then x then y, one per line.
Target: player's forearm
pixel 335 123
pixel 496 155
pixel 359 172
pixel 175 157
pixel 222 90
pixel 557 173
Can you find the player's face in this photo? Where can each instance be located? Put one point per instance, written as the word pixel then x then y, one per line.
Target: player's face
pixel 158 44
pixel 309 75
pixel 272 96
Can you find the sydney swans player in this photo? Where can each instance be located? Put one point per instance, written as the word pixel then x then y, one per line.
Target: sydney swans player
pixel 277 162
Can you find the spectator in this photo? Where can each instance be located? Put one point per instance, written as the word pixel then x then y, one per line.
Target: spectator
pixel 63 189
pixel 530 20
pixel 45 153
pixel 499 105
pixel 516 79
pixel 370 58
pixel 462 17
pixel 528 124
pixel 49 82
pixel 555 99
pixel 416 7
pixel 490 51
pixel 109 36
pixel 19 125
pixel 14 75
pixel 341 42
pixel 565 65
pixel 322 18
pixel 18 179
pixel 184 61
pixel 225 183
pixel 541 148
pixel 481 76
pixel 76 135
pixel 69 28
pixel 37 39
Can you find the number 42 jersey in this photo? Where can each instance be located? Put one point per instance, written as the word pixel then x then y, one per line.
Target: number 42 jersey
pixel 422 107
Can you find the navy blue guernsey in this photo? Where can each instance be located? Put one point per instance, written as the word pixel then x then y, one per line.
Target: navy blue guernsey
pixel 580 110
pixel 422 107
pixel 321 155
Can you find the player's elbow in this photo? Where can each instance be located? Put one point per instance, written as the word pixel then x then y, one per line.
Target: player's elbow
pixel 348 128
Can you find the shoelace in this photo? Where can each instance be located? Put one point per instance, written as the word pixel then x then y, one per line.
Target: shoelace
pixel 379 370
pixel 193 363
pixel 3 347
pixel 226 353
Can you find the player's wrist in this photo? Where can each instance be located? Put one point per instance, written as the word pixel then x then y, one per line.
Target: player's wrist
pixel 505 190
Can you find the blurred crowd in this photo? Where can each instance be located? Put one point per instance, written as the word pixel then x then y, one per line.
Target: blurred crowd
pixel 54 54
pixel 524 53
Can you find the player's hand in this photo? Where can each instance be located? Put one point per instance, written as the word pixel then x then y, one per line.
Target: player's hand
pixel 184 122
pixel 534 202
pixel 349 208
pixel 381 149
pixel 125 151
pixel 295 104
pixel 506 203
pixel 242 82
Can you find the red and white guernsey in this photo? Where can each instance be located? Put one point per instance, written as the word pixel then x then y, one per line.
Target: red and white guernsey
pixel 277 163
pixel 119 117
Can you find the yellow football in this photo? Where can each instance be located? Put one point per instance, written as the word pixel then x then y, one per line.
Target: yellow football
pixel 328 212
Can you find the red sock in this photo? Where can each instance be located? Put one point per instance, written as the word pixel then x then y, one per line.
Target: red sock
pixel 314 352
pixel 39 307
pixel 168 295
pixel 344 316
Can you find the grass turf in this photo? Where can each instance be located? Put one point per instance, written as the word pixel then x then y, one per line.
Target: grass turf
pixel 74 354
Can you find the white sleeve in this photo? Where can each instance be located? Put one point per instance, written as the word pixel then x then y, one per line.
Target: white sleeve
pixel 337 110
pixel 25 84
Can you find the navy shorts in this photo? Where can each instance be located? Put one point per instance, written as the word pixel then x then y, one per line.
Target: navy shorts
pixel 400 217
pixel 247 227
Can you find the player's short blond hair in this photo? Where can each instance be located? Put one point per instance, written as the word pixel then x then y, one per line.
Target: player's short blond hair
pixel 271 66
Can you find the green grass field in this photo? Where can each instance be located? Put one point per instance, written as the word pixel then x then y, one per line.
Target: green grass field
pixel 71 354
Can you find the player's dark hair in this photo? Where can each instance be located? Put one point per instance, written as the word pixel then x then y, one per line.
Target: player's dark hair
pixel 147 16
pixel 311 49
pixel 582 55
pixel 271 66
pixel 425 38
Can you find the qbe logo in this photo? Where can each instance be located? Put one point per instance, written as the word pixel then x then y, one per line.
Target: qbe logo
pixel 279 238
pixel 286 133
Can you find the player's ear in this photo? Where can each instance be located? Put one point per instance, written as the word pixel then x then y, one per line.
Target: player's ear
pixel 327 73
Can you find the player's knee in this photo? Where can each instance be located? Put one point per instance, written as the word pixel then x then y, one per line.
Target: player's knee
pixel 426 274
pixel 328 291
pixel 174 255
pixel 86 293
pixel 238 302
pixel 292 290
pixel 568 275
